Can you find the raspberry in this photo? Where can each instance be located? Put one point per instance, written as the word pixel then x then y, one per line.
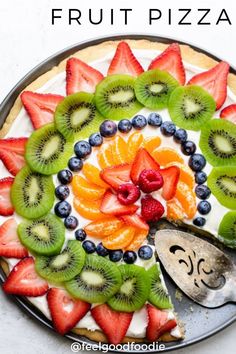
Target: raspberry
pixel 128 193
pixel 151 209
pixel 150 181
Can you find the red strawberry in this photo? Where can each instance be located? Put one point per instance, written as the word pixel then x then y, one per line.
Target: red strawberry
pixel 124 61
pixel 6 207
pixel 170 60
pixel 229 113
pixel 151 208
pixel 214 81
pixel 142 161
pixel 128 193
pixel 150 181
pixel 66 312
pixel 23 280
pixel 10 245
pixel 136 221
pixel 40 106
pixel 117 175
pixel 110 205
pixel 114 324
pixel 158 323
pixel 12 152
pixel 170 176
pixel 81 76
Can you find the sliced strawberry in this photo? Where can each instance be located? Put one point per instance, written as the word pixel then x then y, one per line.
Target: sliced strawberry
pixel 117 175
pixel 142 161
pixel 6 207
pixel 170 60
pixel 40 106
pixel 124 61
pixel 136 221
pixel 12 152
pixel 23 280
pixel 66 312
pixel 81 76
pixel 110 205
pixel 214 81
pixel 229 113
pixel 10 245
pixel 170 176
pixel 158 323
pixel 114 324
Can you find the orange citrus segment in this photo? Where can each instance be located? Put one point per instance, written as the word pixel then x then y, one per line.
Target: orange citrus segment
pixel 139 237
pixel 92 173
pixel 104 156
pixel 88 209
pixel 86 190
pixel 119 150
pixel 166 155
pixel 120 238
pixel 151 143
pixel 174 210
pixel 187 199
pixel 134 143
pixel 186 174
pixel 104 227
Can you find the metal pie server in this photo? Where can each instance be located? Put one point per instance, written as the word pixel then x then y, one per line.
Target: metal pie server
pixel 199 269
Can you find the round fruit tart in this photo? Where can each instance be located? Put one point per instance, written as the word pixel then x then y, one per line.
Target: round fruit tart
pixel 94 154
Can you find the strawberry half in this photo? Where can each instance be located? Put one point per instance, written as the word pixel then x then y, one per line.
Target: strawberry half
pixel 6 207
pixel 229 113
pixel 171 177
pixel 117 175
pixel 23 280
pixel 114 324
pixel 214 81
pixel 40 106
pixel 158 323
pixel 136 221
pixel 66 312
pixel 12 152
pixel 81 76
pixel 170 60
pixel 10 245
pixel 124 61
pixel 111 206
pixel 142 161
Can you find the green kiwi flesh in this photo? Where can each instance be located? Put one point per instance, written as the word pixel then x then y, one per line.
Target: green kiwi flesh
pixel 227 229
pixel 158 295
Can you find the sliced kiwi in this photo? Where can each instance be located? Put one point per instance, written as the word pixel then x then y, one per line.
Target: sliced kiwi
pixel 115 97
pixel 64 266
pixel 227 229
pixel 47 150
pixel 44 236
pixel 97 282
pixel 158 295
pixel 134 290
pixel 218 142
pixel 76 116
pixel 190 107
pixel 153 88
pixel 32 194
pixel 222 183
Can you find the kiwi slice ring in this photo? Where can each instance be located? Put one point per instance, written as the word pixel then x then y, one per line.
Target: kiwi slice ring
pixel 227 229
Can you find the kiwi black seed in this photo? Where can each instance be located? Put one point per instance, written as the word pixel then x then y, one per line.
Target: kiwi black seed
pixel 64 266
pixel 227 229
pixel 218 142
pixel 158 294
pixel 47 150
pixel 32 194
pixel 77 116
pixel 190 107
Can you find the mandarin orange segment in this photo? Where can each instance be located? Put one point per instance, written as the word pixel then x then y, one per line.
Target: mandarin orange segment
pixel 82 188
pixel 120 238
pixel 92 173
pixel 105 156
pixel 88 209
pixel 186 174
pixel 134 143
pixel 187 199
pixel 164 156
pixel 151 143
pixel 139 237
pixel 104 227
pixel 119 150
pixel 174 210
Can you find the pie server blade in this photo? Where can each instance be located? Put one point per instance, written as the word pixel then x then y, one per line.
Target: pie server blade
pixel 199 269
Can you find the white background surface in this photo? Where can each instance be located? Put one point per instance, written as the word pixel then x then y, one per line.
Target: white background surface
pixel 26 38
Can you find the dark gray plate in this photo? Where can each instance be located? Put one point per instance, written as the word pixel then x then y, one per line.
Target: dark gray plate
pixel 200 323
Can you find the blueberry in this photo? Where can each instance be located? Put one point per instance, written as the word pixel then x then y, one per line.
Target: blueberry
pixel 129 257
pixel 71 222
pixel 139 122
pixel 89 246
pixel 204 207
pixel 62 209
pixel 82 149
pixel 197 162
pixel 95 139
pixel 116 255
pixel 124 125
pixel 168 128
pixel 75 164
pixel 202 192
pixel 101 250
pixel 199 221
pixel 108 128
pixel 145 252
pixel 155 120
pixel 80 235
pixel 62 192
pixel 180 136
pixel 65 176
pixel 200 177
pixel 188 147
